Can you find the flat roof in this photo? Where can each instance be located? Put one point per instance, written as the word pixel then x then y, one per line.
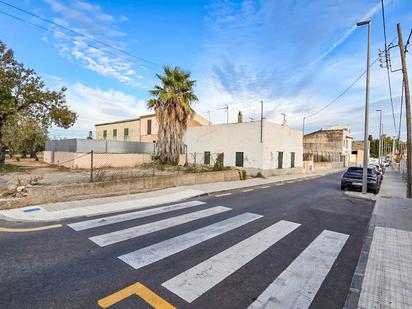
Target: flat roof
pixel 141 117
pixel 114 122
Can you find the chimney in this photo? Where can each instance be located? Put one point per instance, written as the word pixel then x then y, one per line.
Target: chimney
pixel 240 117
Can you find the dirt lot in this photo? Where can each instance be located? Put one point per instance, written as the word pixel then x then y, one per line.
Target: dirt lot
pixel 40 173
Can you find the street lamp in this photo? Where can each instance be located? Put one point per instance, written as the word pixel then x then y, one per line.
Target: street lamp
pixel 365 137
pixel 380 135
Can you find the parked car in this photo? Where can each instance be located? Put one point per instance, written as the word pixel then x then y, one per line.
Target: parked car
pixel 378 168
pixel 352 179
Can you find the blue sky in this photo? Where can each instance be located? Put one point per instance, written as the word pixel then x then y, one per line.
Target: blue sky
pixel 296 56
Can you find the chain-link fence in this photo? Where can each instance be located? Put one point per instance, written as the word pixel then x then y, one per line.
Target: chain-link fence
pixel 323 156
pixel 105 166
pixel 102 166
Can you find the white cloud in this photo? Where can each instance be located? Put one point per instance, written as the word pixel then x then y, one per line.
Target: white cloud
pixel 347 34
pixel 95 105
pixel 91 20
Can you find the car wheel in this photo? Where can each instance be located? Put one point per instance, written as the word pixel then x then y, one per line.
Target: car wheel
pixel 376 190
pixel 342 187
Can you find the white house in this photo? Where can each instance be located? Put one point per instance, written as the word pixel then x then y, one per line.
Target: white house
pixel 264 147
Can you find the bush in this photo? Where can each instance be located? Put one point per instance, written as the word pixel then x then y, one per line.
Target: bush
pixel 243 175
pixel 219 162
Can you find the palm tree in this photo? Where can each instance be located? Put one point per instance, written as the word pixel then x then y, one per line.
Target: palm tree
pixel 172 104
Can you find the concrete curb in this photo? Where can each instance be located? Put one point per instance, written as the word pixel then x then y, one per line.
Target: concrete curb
pixel 42 215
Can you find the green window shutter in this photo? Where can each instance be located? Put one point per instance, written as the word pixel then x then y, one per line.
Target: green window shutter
pixel 114 132
pixel 292 159
pixel 149 127
pixel 280 159
pixel 126 131
pixel 239 159
pixel 104 134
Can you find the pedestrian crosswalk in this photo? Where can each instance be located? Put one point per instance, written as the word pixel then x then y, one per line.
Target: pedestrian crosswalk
pixel 295 287
pixel 161 250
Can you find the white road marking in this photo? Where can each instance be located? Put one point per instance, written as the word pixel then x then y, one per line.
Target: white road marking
pixel 89 224
pixel 136 231
pixel 297 285
pixel 161 250
pixel 223 194
pixel 195 281
pixel 248 190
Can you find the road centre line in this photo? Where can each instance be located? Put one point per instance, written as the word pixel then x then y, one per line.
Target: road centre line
pixel 248 190
pixel 223 194
pixel 136 289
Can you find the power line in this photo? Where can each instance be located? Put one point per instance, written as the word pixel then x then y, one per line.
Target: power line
pixel 408 40
pixel 387 65
pixel 81 34
pixel 64 36
pixel 342 93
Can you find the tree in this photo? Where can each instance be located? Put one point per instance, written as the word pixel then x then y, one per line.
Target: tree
pixel 22 92
pixel 25 136
pixel 172 103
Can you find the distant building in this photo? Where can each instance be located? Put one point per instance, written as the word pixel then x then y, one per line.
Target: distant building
pixel 142 129
pixel 357 153
pixel 333 144
pixel 268 148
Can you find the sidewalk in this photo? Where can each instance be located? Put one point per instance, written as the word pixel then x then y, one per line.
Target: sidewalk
pixel 383 277
pixel 98 206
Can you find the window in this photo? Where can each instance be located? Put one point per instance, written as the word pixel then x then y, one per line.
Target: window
pixel 280 159
pixel 149 127
pixel 114 132
pixel 292 159
pixel 126 131
pixel 104 134
pixel 239 159
pixel 207 157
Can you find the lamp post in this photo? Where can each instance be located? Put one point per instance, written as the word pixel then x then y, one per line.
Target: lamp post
pixel 365 137
pixel 380 136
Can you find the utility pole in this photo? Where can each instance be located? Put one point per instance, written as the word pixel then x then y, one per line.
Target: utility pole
pixel 365 136
pixel 380 135
pixel 261 121
pixel 407 112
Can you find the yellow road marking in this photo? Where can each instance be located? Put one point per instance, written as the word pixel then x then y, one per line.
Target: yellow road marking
pixel 223 194
pixel 136 289
pixel 33 229
pixel 248 190
pixel 265 187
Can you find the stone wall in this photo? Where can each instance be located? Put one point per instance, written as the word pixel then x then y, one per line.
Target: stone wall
pixel 60 193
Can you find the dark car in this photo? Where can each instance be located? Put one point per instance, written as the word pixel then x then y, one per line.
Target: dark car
pixel 352 179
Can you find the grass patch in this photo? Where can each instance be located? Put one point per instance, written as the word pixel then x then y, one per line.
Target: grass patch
pixel 9 168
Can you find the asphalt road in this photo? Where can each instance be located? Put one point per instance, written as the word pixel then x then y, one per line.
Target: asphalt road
pixel 223 266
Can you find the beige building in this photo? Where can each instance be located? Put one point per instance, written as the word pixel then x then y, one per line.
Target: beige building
pixel 329 145
pixel 142 129
pixel 357 153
